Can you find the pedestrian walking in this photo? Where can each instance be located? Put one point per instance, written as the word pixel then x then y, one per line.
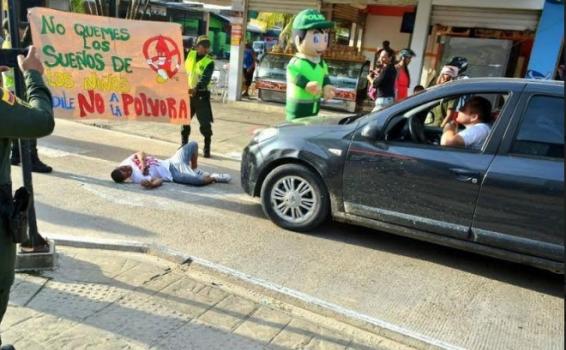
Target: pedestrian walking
pixel 9 84
pixel 249 68
pixel 19 120
pixel 382 79
pixel 403 80
pixel 200 67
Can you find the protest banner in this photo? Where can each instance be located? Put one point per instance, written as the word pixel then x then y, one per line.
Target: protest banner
pixel 102 67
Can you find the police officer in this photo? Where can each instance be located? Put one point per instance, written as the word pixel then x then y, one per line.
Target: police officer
pixel 200 66
pixel 8 81
pixel 19 120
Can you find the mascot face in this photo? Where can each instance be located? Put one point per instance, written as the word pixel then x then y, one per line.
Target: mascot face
pixel 314 44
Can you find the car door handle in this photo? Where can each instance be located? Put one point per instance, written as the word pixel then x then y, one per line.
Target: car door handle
pixel 465 175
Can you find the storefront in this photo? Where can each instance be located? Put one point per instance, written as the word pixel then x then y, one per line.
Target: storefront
pixel 347 66
pixel 348 70
pixel 495 36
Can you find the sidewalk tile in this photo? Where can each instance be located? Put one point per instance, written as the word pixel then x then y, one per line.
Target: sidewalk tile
pixel 25 287
pixel 264 324
pixel 182 296
pixel 74 301
pixel 139 317
pixel 159 283
pixel 199 336
pixel 328 340
pixel 229 313
pixel 140 273
pixel 88 337
pixel 297 335
pixel 39 329
pixel 212 294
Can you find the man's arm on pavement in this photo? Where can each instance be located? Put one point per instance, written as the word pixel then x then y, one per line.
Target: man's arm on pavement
pixel 153 183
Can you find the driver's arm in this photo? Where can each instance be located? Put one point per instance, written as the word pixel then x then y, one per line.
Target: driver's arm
pixel 450 136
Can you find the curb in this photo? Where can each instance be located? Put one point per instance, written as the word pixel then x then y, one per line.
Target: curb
pixel 286 295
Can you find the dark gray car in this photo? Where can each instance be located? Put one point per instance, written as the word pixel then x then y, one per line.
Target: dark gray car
pixel 387 171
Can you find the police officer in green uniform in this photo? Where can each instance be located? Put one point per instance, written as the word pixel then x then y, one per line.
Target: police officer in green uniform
pixel 8 83
pixel 19 119
pixel 307 72
pixel 200 66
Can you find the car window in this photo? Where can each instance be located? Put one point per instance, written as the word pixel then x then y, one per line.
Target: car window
pixel 432 115
pixel 541 132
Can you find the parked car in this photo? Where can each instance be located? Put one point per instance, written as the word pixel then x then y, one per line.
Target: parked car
pixel 387 171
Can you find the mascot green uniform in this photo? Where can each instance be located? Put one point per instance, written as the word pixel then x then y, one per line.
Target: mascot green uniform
pixel 307 72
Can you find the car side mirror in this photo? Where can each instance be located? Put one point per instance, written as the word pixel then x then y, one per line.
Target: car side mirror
pixel 372 132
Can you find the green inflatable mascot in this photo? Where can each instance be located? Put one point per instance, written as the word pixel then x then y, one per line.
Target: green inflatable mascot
pixel 307 72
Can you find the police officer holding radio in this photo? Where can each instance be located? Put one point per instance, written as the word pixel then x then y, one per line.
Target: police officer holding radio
pixel 19 119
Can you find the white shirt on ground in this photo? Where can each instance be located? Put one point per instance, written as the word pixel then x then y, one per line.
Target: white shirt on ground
pixel 475 135
pixel 157 169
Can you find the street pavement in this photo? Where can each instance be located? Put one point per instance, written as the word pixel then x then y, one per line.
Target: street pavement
pixel 98 299
pixel 458 298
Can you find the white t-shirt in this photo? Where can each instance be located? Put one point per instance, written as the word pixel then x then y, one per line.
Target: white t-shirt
pixel 157 169
pixel 475 135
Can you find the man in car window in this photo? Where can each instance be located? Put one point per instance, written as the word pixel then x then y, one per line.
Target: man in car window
pixel 476 117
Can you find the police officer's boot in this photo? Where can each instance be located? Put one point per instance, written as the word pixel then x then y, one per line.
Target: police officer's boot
pixel 206 150
pixel 15 158
pixel 37 166
pixel 7 347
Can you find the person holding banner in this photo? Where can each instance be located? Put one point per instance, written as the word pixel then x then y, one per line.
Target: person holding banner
pixel 9 84
pixel 200 66
pixel 18 119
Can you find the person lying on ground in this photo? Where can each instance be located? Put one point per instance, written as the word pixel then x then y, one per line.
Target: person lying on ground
pixel 151 172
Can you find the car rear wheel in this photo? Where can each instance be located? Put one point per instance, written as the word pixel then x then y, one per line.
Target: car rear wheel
pixel 295 198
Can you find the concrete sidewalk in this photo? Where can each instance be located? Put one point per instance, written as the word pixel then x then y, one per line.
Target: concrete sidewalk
pixel 119 300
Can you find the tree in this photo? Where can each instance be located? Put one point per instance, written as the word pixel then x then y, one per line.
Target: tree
pixel 272 19
pixel 137 9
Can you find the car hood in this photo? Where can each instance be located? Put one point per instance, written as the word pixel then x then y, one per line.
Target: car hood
pixel 318 120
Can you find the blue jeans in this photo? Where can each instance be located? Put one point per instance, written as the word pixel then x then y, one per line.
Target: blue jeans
pixel 382 102
pixel 180 166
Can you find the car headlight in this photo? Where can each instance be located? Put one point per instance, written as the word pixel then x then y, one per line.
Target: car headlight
pixel 265 134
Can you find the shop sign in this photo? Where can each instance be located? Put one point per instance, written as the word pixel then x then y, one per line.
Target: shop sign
pixel 101 67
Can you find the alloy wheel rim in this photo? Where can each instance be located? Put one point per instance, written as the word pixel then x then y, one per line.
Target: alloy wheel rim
pixel 293 199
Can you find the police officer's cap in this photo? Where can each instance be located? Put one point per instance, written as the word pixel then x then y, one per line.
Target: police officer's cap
pixel 203 40
pixel 311 19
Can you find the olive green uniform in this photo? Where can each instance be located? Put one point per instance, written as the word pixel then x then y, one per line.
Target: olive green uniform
pixel 19 119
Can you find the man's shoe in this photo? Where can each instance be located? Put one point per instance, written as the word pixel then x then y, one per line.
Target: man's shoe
pixel 221 178
pixel 7 347
pixel 39 167
pixel 14 161
pixel 206 152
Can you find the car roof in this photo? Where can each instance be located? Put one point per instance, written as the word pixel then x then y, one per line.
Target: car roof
pixel 511 81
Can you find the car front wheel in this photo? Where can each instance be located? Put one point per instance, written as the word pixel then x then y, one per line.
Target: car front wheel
pixel 295 198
